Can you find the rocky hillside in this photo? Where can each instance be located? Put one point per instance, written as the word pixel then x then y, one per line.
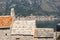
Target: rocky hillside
pixel 35 7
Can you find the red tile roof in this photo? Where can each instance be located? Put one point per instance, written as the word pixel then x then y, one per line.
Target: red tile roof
pixel 5 21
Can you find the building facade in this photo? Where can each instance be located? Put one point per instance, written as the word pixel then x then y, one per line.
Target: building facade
pixel 24 28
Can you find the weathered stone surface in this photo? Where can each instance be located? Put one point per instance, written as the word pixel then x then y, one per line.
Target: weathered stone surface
pixel 44 32
pixel 22 38
pixel 57 35
pixel 5 34
pixel 23 27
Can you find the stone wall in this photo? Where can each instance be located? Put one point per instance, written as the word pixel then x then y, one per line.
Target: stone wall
pixel 44 32
pixel 4 34
pixel 58 36
pixel 25 27
pixel 22 38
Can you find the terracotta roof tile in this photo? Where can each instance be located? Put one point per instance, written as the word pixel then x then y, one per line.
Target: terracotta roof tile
pixel 5 21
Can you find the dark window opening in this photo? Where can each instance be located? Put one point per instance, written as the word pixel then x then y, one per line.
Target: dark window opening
pixel 6 34
pixel 17 38
pixel 58 28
